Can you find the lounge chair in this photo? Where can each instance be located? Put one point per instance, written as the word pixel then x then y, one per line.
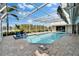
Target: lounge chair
pixel 20 35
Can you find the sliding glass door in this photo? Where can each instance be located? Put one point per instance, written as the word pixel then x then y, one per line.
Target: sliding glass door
pixel 60 28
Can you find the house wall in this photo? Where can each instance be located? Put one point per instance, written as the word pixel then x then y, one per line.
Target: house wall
pixel 68 28
pixel 53 28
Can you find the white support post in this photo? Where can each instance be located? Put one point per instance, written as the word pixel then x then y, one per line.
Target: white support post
pixel 76 29
pixel 1 35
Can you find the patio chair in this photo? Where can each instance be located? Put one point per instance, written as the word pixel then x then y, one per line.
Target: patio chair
pixel 20 35
pixel 23 34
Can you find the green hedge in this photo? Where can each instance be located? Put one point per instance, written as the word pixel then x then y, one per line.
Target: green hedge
pixel 10 33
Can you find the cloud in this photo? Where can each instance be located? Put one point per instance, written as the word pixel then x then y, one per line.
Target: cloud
pixel 28 6
pixel 30 21
pixel 49 5
pixel 54 3
pixel 23 13
pixel 54 9
pixel 21 6
pixel 20 13
pixel 24 5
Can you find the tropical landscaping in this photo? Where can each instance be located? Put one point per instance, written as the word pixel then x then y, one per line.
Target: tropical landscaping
pixel 28 28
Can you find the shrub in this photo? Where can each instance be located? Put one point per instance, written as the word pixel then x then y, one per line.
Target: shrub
pixel 10 33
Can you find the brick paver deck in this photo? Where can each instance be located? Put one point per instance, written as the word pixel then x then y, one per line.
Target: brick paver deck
pixel 66 46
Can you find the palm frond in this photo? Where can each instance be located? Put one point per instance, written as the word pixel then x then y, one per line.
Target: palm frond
pixel 17 26
pixel 15 16
pixel 12 8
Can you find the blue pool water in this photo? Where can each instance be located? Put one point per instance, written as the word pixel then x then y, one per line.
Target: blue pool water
pixel 47 38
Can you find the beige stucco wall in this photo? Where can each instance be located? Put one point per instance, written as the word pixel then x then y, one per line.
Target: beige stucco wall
pixel 53 28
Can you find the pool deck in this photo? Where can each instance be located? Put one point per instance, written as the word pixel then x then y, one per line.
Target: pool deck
pixel 40 32
pixel 68 45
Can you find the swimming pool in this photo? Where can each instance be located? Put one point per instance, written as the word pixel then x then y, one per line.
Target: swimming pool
pixel 47 38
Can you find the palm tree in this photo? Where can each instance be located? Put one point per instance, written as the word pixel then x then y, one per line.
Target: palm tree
pixel 8 10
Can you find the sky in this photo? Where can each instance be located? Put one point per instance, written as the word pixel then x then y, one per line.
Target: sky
pixel 25 8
